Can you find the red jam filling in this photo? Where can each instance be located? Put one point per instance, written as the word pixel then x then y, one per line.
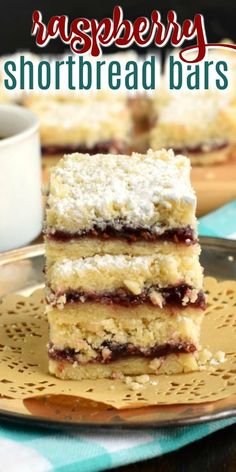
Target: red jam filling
pixel 117 351
pixel 115 146
pixel 183 235
pixel 172 296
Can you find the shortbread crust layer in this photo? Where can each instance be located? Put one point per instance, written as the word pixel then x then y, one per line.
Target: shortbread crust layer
pixel 87 247
pixel 211 157
pixel 87 327
pixel 108 273
pixel 171 364
pixel 204 155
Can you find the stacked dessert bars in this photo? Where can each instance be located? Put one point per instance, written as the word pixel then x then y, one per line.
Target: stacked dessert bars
pixel 123 278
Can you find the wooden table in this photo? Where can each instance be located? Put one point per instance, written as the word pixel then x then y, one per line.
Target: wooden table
pixel 214 185
pixel 215 453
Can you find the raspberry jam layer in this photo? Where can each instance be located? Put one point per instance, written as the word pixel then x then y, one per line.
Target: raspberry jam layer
pixel 110 351
pixel 114 146
pixel 180 295
pixel 201 148
pixel 183 235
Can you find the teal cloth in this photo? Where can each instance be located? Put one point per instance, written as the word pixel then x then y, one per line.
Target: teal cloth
pixel 30 449
pixel 39 450
pixel 220 223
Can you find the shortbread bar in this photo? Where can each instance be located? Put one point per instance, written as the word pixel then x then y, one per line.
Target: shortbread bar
pixel 91 125
pixel 123 279
pixel 200 125
pixel 95 124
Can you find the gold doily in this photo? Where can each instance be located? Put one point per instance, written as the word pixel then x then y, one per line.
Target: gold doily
pixel 23 357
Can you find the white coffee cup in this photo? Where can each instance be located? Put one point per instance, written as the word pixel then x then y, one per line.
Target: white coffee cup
pixel 20 177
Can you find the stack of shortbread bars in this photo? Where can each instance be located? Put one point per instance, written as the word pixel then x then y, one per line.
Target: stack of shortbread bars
pixel 124 283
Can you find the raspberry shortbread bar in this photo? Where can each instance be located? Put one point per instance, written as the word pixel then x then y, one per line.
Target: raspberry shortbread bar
pixel 123 278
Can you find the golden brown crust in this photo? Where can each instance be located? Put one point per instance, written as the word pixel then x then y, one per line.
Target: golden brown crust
pixel 85 326
pixel 172 364
pixel 87 247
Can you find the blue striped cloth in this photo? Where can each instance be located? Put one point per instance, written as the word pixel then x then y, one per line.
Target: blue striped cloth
pixel 27 449
pixel 39 450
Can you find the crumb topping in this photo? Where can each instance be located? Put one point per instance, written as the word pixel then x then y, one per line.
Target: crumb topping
pixel 151 190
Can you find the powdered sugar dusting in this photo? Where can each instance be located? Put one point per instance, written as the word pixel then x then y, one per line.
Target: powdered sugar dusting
pixel 151 190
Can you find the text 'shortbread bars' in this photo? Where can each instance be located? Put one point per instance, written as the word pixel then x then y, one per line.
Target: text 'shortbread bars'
pixel 123 279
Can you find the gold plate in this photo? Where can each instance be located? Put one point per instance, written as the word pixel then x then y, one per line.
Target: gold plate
pixel 21 273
